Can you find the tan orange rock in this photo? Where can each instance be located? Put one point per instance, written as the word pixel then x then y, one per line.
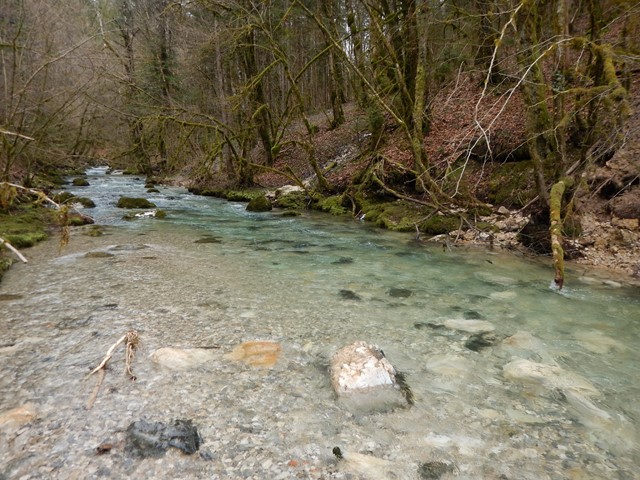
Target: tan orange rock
pixel 257 353
pixel 16 417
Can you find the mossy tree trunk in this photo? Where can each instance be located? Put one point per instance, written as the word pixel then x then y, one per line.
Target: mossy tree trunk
pixel 555 228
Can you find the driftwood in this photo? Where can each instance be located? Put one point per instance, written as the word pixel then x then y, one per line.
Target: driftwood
pixel 17 253
pixel 131 341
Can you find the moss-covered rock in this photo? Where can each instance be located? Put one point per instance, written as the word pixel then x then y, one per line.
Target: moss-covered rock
pixel 243 195
pixel 290 213
pixel 69 198
pixel 259 204
pixel 80 182
pixel 333 205
pixel 439 224
pixel 153 190
pixel 399 216
pixel 133 202
pixel 63 197
pixel 295 200
pixel 77 220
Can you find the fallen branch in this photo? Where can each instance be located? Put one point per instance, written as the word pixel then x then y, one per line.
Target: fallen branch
pixel 13 249
pixel 131 340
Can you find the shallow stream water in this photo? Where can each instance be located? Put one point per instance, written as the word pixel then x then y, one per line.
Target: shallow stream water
pixel 213 275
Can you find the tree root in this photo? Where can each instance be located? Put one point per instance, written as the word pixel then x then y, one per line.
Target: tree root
pixel 132 341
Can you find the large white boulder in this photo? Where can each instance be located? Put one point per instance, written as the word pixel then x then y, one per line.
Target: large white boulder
pixel 364 379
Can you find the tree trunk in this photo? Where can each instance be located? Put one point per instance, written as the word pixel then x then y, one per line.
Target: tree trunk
pixel 555 228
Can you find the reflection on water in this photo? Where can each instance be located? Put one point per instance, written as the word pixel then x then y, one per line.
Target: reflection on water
pixel 212 274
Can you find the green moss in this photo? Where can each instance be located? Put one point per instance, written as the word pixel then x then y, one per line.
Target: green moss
pixel 512 184
pixel 292 201
pixel 399 216
pixel 86 202
pixel 67 198
pixel 153 190
pixel 77 220
pixel 259 204
pixel 242 195
pixel 439 224
pixel 161 214
pixel 290 213
pixel 25 226
pixel 332 205
pixel 5 263
pixel 132 202
pixel 63 197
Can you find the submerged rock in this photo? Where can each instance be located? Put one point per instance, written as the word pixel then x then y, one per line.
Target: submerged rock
pixel 399 292
pixel 366 466
pixel 435 470
pixel 152 439
pixel 480 341
pixel 12 419
pixel 470 326
pixel 547 376
pixel 349 295
pixel 257 353
pixel 182 358
pixel 364 379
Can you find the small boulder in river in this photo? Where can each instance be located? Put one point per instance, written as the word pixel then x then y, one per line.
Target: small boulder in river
pixel 364 379
pixel 257 353
pixel 259 204
pixel 152 439
pixel 134 202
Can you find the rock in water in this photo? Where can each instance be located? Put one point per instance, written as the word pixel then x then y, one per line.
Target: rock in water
pixel 152 439
pixel 257 353
pixel 367 466
pixel 364 379
pixel 12 420
pixel 182 358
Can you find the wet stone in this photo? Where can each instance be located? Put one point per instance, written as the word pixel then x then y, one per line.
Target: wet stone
pixel 434 470
pixel 472 315
pixel 152 439
pixel 98 254
pixel 208 240
pixel 349 295
pixel 5 297
pixel 480 341
pixel 399 292
pixel 432 326
pixel 343 261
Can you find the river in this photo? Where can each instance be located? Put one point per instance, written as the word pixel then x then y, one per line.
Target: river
pixel 212 275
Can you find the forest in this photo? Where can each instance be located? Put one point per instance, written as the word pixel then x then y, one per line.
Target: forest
pixel 443 105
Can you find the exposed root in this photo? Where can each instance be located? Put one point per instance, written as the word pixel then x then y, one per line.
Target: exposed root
pixel 132 341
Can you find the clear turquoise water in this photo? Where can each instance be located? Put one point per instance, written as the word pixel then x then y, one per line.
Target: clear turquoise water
pixel 283 279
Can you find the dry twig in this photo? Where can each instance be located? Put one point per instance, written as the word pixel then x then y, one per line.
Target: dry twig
pixel 131 340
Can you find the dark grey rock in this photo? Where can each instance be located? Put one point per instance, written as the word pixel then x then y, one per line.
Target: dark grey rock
pixel 349 295
pixel 152 439
pixel 399 292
